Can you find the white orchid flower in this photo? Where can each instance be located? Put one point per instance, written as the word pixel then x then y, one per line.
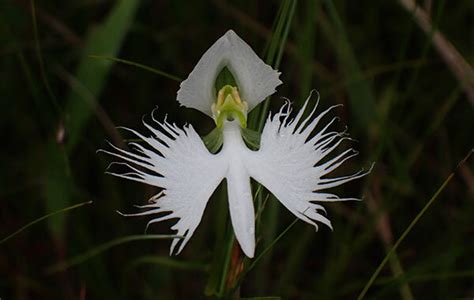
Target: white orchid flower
pixel 289 162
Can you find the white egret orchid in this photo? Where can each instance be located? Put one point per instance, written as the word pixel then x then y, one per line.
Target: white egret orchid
pixel 290 162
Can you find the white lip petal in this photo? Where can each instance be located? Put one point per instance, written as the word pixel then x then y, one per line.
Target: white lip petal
pixel 241 208
pixel 179 163
pixel 289 164
pixel 255 79
pixel 238 188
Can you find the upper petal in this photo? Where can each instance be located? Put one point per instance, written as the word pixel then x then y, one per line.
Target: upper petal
pixel 255 79
pixel 177 161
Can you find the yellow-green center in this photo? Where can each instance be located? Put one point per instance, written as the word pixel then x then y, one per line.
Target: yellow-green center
pixel 229 107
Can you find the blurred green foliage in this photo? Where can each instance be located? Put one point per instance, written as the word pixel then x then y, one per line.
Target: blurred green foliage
pixel 402 102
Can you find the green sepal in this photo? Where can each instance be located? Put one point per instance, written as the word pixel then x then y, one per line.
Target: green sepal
pixel 213 140
pixel 251 138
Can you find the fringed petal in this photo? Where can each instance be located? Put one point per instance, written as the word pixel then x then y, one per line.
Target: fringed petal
pixel 177 161
pixel 289 162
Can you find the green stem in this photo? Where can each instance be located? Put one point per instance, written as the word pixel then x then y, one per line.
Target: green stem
pixel 277 61
pixel 409 228
pixel 225 268
pixel 39 55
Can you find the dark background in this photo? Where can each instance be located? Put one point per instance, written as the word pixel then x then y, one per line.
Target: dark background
pixel 408 95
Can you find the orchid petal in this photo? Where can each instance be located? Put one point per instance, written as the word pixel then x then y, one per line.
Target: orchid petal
pixel 255 79
pixel 289 163
pixel 241 208
pixel 177 167
pixel 238 188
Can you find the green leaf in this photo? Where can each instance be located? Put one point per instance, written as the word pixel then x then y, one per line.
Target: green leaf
pixel 59 189
pixel 106 39
pixel 275 54
pixel 360 92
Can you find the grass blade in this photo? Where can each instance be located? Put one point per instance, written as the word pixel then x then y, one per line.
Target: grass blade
pixel 262 254
pixel 59 186
pixel 270 246
pixel 39 56
pixel 277 48
pixel 138 65
pixel 360 92
pixel 76 260
pixel 43 218
pixel 168 262
pixel 457 64
pixel 105 40
pixel 410 227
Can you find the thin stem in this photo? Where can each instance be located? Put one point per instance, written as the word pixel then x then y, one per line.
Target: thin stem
pixel 410 227
pixel 260 256
pixel 460 68
pixel 226 265
pixel 40 58
pixel 43 218
pixel 277 61
pixel 138 65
